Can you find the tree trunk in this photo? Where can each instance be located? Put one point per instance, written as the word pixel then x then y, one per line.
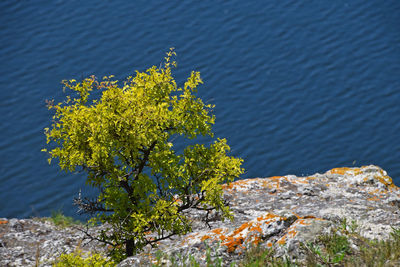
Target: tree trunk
pixel 129 245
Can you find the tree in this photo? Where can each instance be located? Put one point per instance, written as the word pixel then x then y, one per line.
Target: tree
pixel 124 141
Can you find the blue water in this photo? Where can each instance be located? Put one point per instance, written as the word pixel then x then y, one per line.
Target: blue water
pixel 299 86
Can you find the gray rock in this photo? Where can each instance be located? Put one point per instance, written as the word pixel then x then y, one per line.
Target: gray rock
pixel 280 212
pixel 30 241
pixel 286 211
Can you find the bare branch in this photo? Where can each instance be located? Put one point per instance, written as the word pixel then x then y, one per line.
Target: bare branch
pixel 92 237
pixel 86 205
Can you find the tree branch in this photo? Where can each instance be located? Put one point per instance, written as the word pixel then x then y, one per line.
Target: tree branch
pixel 89 206
pixel 146 154
pixel 91 237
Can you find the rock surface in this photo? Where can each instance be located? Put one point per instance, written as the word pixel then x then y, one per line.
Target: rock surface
pixel 38 242
pixel 278 212
pixel 286 210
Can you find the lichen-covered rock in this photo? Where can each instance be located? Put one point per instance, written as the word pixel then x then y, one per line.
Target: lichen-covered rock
pixel 38 242
pixel 287 210
pixel 280 212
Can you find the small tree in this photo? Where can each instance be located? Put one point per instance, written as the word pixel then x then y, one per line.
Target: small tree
pixel 124 141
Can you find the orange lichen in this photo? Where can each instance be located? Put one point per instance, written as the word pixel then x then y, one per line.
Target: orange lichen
pixel 257 240
pixel 340 171
pixel 344 170
pixel 232 243
pixel 292 232
pixel 3 221
pixel 282 240
pixel 249 231
pixel 302 180
pixel 269 216
pixel 237 184
pixel 276 179
pixel 177 200
pixel 271 182
pixel 383 177
pixel 374 198
pixel 217 231
pixel 242 227
pixel 227 186
pixel 256 228
pixel 386 180
pixel 191 236
pixel 299 218
pixel 303 222
pixel 376 191
pixel 205 237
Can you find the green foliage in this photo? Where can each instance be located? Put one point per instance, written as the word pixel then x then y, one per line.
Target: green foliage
pixel 395 234
pixel 348 228
pixel 79 259
pixel 188 260
pixel 124 140
pixel 59 219
pixel 336 246
pixel 379 253
pixel 334 249
pixel 330 249
pixel 258 256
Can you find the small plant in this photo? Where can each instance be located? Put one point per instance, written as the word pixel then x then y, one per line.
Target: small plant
pixel 159 257
pixel 258 256
pixel 334 249
pixel 353 227
pixel 80 259
pixel 348 228
pixel 189 260
pixel 217 262
pixel 37 255
pixel 395 234
pixel 380 253
pixel 329 249
pixel 193 262
pixel 59 219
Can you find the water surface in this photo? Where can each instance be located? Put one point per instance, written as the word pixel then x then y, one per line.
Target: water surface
pixel 299 87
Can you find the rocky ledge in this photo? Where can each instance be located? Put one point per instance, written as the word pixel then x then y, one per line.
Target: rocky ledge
pixel 279 212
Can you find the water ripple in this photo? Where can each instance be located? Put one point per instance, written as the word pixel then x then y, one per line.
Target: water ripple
pixel 299 87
